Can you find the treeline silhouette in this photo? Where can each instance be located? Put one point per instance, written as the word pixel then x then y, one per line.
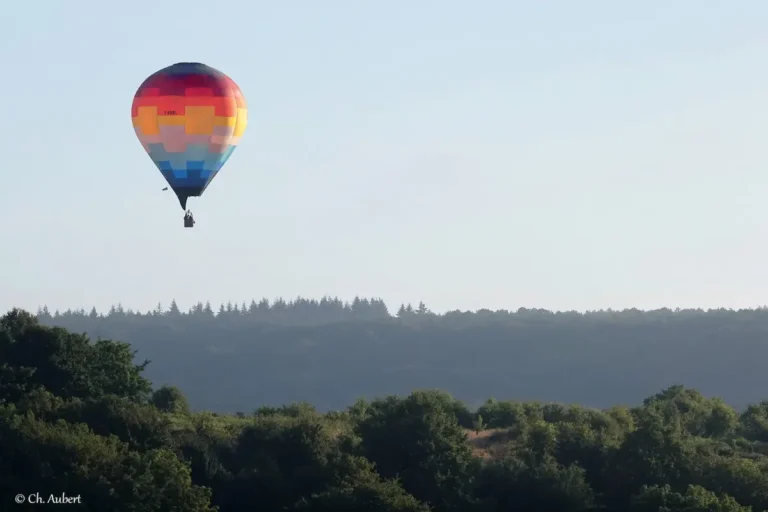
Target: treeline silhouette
pixel 78 419
pixel 330 352
pixel 330 310
pixel 299 311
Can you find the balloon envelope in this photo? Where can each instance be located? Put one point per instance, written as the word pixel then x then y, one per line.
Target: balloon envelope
pixel 189 117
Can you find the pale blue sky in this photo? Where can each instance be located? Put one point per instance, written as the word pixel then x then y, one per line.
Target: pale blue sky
pixel 561 154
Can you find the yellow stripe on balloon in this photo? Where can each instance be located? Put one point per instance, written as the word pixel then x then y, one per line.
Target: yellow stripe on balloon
pixel 224 121
pixel 199 120
pixel 241 123
pixel 171 120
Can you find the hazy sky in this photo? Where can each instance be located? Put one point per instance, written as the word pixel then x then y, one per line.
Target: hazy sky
pixel 561 154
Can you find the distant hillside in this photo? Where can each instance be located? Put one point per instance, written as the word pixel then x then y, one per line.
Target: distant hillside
pixel 330 353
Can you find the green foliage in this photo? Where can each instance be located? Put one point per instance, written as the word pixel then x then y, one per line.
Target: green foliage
pixel 528 485
pixel 77 417
pixel 478 424
pixel 370 495
pixel 746 479
pixel 698 415
pixel 695 499
pixel 170 399
pixel 66 364
pixel 69 458
pixel 419 440
pixel 503 414
pixel 655 453
pixel 754 422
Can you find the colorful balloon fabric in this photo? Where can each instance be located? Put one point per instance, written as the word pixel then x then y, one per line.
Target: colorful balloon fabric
pixel 189 117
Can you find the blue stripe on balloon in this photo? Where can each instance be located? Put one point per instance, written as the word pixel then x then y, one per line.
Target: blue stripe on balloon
pixel 194 180
pixel 192 169
pixel 196 152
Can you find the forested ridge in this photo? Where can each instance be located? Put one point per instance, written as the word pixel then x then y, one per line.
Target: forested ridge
pixel 330 352
pixel 78 417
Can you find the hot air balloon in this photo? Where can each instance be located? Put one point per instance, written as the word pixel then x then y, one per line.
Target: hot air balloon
pixel 189 118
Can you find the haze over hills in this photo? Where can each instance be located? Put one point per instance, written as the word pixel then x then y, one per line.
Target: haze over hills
pixel 238 357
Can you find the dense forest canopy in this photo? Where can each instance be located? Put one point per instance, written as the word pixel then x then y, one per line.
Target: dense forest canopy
pixel 234 357
pixel 79 418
